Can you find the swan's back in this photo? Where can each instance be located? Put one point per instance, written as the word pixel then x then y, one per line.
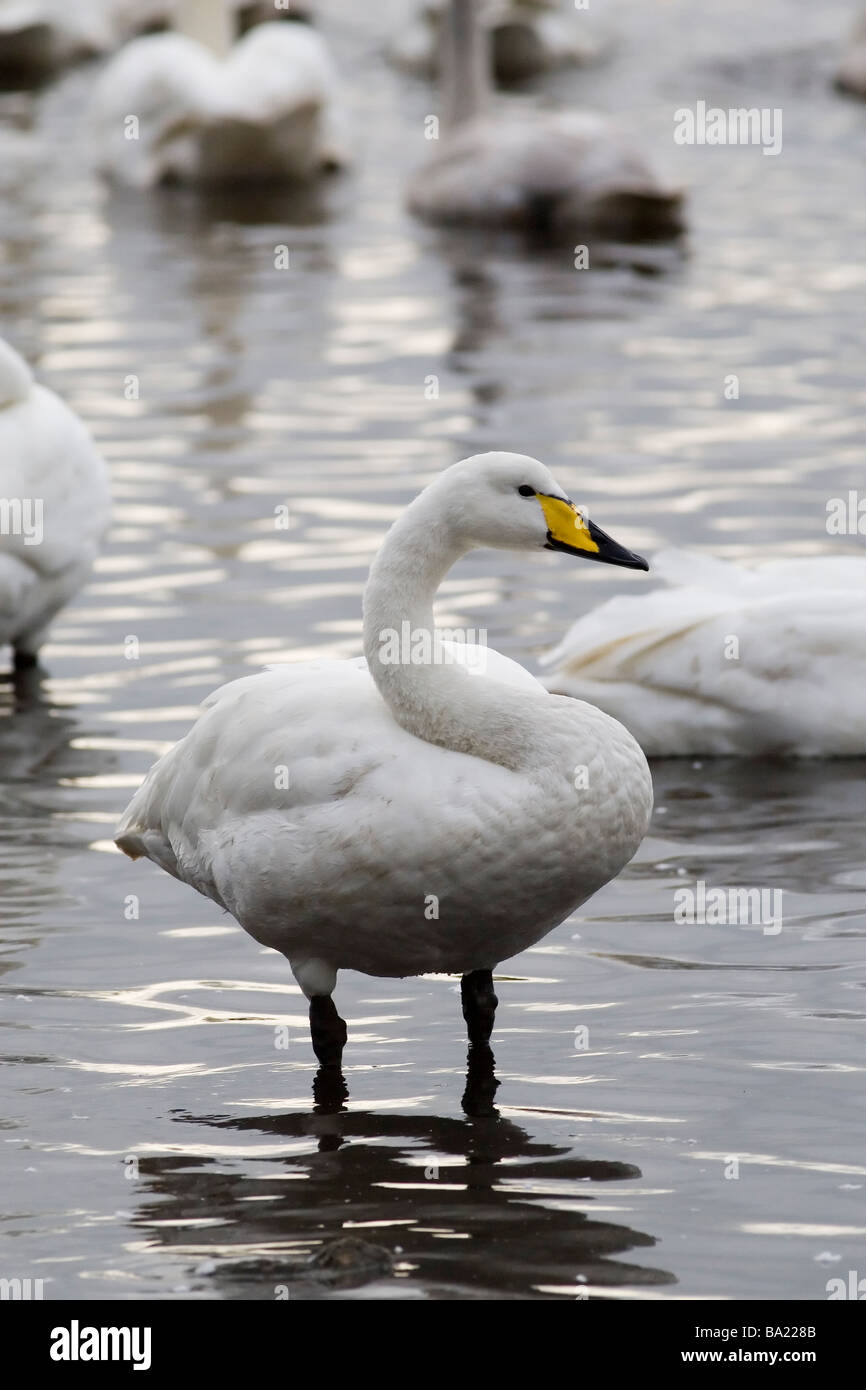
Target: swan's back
pixel 565 169
pixel 727 660
pixel 268 110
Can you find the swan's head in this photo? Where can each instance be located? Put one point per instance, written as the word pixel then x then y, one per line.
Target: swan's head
pixel 512 502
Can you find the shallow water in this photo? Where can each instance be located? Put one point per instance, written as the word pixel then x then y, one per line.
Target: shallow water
pixel 155 1138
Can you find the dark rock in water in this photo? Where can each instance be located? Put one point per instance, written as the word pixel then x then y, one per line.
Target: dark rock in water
pixel 348 1262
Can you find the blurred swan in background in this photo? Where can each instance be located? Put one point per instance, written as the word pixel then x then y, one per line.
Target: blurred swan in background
pixel 526 37
pixel 729 660
pixel 509 164
pixel 851 73
pixel 37 37
pixel 408 812
pixel 195 107
pixel 54 507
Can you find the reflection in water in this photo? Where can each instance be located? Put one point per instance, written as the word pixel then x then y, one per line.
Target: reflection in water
pixel 37 756
pixel 470 1207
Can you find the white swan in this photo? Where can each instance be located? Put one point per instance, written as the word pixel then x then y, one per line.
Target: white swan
pixel 418 810
pixel 729 660
pixel 527 37
pixel 194 107
pixel 509 164
pixel 54 507
pixel 851 73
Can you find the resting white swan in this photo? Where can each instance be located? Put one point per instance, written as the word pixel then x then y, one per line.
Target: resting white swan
pixel 418 810
pixel 509 164
pixel 54 507
pixel 193 107
pixel 728 660
pixel 526 37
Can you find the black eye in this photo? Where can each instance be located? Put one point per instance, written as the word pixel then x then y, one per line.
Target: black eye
pixel 526 491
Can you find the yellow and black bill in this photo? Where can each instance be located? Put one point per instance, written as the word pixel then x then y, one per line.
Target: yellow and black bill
pixel 569 530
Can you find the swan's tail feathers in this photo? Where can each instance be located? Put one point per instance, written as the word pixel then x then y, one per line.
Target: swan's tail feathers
pixel 131 846
pixel 146 842
pixel 16 378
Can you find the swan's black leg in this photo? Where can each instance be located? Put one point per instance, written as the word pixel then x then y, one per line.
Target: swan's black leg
pixel 479 1005
pixel 327 1030
pixel 24 661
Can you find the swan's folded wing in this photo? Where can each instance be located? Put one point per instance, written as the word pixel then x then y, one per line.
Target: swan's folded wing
pixel 289 773
pixel 277 744
pixel 692 672
pixel 604 642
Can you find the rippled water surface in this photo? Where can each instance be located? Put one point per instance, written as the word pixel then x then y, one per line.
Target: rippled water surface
pixel 154 1139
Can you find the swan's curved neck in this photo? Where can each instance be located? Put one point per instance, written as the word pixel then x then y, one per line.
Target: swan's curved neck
pixel 428 694
pixel 465 62
pixel 209 22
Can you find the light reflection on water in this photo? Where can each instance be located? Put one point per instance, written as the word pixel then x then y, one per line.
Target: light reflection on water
pixel 152 1038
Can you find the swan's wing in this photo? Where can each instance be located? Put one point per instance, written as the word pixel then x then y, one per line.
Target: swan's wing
pixel 145 100
pixel 610 635
pixel 301 725
pixel 699 588
pixel 773 664
pixel 290 773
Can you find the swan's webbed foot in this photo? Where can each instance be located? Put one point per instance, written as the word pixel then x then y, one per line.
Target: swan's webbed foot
pixel 327 1030
pixel 479 1005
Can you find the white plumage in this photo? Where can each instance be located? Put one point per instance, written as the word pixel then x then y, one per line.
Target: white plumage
pixel 52 479
pixel 408 785
pixel 728 660
pixel 191 108
pixel 548 170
